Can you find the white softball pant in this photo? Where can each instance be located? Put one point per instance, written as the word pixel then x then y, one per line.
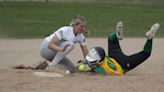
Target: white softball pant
pixel 57 57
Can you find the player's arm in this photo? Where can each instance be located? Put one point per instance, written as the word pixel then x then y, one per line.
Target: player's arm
pixel 98 69
pixel 83 46
pixel 84 50
pixel 53 45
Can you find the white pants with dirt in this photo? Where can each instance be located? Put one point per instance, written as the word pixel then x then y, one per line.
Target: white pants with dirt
pixel 57 57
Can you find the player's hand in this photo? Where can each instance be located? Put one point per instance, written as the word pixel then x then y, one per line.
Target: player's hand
pixel 80 61
pixel 65 47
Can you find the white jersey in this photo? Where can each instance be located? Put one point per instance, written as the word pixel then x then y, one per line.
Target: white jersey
pixel 66 34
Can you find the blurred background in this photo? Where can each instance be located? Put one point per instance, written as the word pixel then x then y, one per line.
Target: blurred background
pixel 28 19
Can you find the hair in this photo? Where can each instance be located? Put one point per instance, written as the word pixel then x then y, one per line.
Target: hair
pixel 77 20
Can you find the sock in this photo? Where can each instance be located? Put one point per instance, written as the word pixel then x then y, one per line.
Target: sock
pixel 112 36
pixel 148 46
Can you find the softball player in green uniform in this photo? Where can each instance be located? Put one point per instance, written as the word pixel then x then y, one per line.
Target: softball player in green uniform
pixel 117 63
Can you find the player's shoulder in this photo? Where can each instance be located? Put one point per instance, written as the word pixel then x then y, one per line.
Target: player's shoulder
pixel 82 35
pixel 64 28
pixel 81 38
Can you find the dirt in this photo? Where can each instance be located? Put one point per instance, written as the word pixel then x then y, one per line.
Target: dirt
pixel 147 77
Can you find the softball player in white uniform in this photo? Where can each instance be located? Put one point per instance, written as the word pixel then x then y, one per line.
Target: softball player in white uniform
pixel 56 46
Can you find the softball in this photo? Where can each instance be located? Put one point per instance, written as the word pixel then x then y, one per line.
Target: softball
pixel 82 67
pixel 67 72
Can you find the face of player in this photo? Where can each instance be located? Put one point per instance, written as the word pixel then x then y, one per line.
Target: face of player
pixel 79 28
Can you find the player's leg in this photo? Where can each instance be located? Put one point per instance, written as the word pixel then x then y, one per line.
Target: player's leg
pixel 136 59
pixel 67 63
pixel 114 49
pixel 113 43
pixel 60 55
pixel 47 54
pixel 52 56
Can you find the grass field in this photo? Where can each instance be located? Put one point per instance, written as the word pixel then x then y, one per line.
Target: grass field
pixel 39 19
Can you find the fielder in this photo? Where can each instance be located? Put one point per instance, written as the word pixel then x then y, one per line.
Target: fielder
pixel 117 63
pixel 56 46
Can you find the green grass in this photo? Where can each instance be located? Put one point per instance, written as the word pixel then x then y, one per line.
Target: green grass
pixel 37 20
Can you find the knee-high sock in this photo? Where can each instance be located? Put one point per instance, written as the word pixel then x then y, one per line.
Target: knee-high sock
pixel 112 36
pixel 148 46
pixel 60 55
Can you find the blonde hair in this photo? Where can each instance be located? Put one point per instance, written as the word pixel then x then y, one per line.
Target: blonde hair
pixel 77 20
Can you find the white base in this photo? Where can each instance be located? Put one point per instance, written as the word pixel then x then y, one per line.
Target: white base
pixel 47 74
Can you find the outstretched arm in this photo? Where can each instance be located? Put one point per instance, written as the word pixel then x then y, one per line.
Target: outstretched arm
pixel 84 50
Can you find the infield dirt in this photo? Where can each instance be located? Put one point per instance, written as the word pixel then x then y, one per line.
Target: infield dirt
pixel 147 77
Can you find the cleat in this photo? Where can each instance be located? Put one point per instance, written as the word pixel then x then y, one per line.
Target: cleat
pixel 151 33
pixel 42 65
pixel 119 30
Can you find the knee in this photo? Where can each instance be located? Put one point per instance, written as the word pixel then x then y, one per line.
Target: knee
pixel 71 45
